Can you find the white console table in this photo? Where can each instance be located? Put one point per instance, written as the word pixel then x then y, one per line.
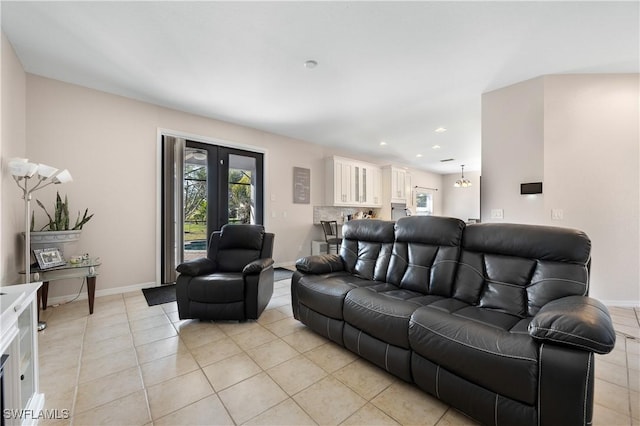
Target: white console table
pixel 22 402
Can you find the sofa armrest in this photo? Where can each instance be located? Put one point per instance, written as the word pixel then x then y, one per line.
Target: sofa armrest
pixel 578 321
pixel 196 267
pixel 320 264
pixel 257 266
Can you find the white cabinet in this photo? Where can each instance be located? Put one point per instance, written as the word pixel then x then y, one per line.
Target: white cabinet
pixel 374 186
pixel 396 183
pixel 342 172
pixel 18 340
pixel 396 188
pixel 352 183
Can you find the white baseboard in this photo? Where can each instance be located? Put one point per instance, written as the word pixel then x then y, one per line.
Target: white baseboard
pixel 58 300
pixel 622 303
pixel 134 287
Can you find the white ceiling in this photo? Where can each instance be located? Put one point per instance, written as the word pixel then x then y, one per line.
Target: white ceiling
pixel 388 71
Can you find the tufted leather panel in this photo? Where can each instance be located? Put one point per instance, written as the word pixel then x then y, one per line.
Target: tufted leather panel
pixel 366 248
pixel 504 276
pixel 425 254
pixel 503 362
pixel 237 246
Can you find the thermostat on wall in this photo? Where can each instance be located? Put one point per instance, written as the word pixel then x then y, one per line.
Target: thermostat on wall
pixel 531 188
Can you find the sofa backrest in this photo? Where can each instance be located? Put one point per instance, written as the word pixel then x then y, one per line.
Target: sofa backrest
pixel 235 246
pixel 425 254
pixel 517 269
pixel 366 247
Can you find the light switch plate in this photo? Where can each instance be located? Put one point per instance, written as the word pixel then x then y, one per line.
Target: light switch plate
pixel 557 214
pixel 497 214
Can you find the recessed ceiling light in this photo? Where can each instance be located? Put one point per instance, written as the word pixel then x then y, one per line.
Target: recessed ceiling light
pixel 383 143
pixel 440 130
pixel 310 64
pixel 418 155
pixel 436 147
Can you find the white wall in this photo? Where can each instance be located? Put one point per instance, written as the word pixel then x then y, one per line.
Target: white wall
pixel 513 151
pixel 12 144
pixel 591 145
pixel 580 136
pixel 109 143
pixel 463 203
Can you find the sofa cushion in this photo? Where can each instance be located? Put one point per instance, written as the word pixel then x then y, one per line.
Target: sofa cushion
pixel 383 311
pixel 238 245
pixel 217 288
pixel 366 248
pixel 325 293
pixel 425 254
pixel 489 348
pixel 517 269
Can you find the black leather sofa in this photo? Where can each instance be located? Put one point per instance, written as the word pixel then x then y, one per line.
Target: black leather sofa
pixel 493 319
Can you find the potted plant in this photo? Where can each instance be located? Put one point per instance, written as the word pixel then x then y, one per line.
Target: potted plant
pixel 59 228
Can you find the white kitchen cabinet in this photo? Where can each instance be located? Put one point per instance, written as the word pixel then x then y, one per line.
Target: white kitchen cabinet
pixel 395 184
pixel 339 185
pixel 374 186
pixel 352 183
pixel 18 339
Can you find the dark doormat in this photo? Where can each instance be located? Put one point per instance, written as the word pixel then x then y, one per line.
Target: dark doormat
pixel 160 295
pixel 280 274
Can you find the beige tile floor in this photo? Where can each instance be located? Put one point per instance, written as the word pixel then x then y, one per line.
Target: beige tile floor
pixel 130 364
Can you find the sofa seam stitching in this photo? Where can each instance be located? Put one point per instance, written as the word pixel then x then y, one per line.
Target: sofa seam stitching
pixel 474 347
pixel 535 328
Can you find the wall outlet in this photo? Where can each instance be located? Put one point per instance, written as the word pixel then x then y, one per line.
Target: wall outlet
pixel 497 214
pixel 557 214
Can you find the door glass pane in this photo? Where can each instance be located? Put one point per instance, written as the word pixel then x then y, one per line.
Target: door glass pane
pixel 195 203
pixel 242 189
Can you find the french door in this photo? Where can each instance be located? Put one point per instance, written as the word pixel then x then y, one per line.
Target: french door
pixel 205 186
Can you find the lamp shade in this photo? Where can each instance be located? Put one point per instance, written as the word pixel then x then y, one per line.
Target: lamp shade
pixel 45 171
pixel 16 166
pixel 63 177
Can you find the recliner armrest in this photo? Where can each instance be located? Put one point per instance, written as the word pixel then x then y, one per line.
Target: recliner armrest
pixel 257 266
pixel 320 264
pixel 577 321
pixel 197 267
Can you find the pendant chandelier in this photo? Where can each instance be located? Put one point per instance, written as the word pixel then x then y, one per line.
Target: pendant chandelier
pixel 462 182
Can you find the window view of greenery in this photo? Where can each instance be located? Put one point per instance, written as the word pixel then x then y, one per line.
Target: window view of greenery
pixel 195 203
pixel 240 205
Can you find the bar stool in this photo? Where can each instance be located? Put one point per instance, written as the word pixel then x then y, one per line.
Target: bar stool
pixel 330 228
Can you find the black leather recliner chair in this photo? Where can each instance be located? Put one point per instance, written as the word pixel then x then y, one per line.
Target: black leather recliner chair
pixel 234 281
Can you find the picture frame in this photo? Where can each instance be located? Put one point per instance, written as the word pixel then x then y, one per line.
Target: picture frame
pixel 49 257
pixel 301 185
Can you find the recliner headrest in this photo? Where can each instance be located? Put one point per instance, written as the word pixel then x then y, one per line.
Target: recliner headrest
pixel 528 241
pixel 433 230
pixel 247 237
pixel 380 231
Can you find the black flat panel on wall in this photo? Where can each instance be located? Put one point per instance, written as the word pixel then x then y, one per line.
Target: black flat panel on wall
pixel 531 188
